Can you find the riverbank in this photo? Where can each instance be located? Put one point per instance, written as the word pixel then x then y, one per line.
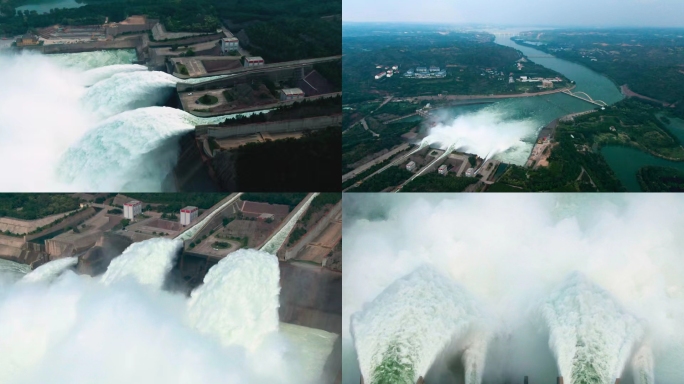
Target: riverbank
pixel 493 97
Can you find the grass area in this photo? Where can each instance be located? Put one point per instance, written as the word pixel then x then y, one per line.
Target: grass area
pixel 221 245
pixel 182 69
pixel 208 99
pixel 391 177
pixel 434 182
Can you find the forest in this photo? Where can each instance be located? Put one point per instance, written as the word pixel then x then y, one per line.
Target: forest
pixel 391 177
pixel 434 182
pixel 31 206
pixel 174 202
pixel 304 164
pixel 660 179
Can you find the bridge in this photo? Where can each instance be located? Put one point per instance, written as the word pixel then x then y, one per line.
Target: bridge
pixel 585 97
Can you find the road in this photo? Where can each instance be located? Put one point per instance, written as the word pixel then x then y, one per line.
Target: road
pixel 360 169
pixel 472 97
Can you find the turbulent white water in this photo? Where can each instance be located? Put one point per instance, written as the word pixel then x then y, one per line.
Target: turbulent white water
pixel 274 244
pixel 88 121
pixel 488 134
pixel 590 334
pixel 238 301
pixel 405 328
pixel 50 271
pixel 148 262
pixel 513 253
pixel 121 331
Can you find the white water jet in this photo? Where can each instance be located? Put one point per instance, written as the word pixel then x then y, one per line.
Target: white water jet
pixel 238 302
pixel 147 262
pixel 513 252
pixel 89 121
pixel 50 271
pixel 277 240
pixel 486 133
pixel 590 334
pixel 403 330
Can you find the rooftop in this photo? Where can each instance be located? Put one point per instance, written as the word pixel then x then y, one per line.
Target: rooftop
pixel 293 91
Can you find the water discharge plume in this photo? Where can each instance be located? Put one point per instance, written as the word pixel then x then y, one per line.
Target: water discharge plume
pixel 132 151
pixel 642 366
pixel 403 330
pixel 50 271
pixel 147 262
pixel 83 121
pixel 486 133
pixel 239 300
pixel 125 91
pixel 96 75
pixel 274 244
pixel 590 334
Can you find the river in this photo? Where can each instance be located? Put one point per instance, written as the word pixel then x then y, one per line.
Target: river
pixel 46 5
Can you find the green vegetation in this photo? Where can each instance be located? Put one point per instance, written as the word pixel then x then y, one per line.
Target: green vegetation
pixel 647 60
pixel 364 174
pixel 182 69
pixel 115 211
pixel 660 179
pixel 173 202
pixel 289 199
pixel 278 30
pixel 475 65
pixel 298 110
pixel 391 177
pixel 319 202
pixel 359 143
pixel 208 99
pixel 434 182
pixel 31 206
pixel 296 234
pixel 302 164
pixel 221 245
pixel 500 187
pixel 124 223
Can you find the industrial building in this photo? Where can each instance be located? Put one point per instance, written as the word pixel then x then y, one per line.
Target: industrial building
pixel 253 61
pixel 379 75
pixel 188 214
pixel 27 40
pixel 434 69
pixel 229 44
pixel 291 94
pixel 421 70
pixel 411 166
pixel 442 169
pixel 132 209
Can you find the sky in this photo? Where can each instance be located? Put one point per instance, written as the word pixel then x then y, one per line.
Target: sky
pixel 585 13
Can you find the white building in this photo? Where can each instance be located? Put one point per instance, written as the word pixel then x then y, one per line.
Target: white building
pixel 291 94
pixel 229 44
pixel 188 214
pixel 132 209
pixel 411 166
pixel 442 169
pixel 253 61
pixel 379 75
pixel 470 172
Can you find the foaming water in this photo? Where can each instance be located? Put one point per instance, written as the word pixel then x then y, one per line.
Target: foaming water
pixel 124 328
pixel 588 287
pixel 590 334
pixel 274 244
pixel 487 133
pixel 400 334
pixel 238 301
pixel 148 262
pixel 88 121
pixel 50 271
